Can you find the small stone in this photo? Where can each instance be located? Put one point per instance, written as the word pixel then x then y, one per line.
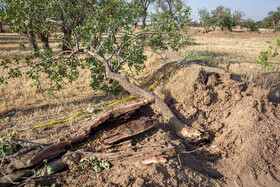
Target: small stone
pixel 90 109
pixel 139 182
pixel 243 94
pixel 226 114
pixel 207 100
pixel 212 80
pixel 217 126
pixel 238 97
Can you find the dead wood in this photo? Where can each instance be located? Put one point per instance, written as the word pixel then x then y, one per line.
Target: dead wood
pixel 129 157
pixel 56 165
pixel 15 177
pixel 154 159
pixel 131 130
pixel 20 152
pixel 48 152
pixel 85 130
pixel 19 160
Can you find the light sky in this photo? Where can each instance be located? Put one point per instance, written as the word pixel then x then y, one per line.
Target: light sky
pixel 254 9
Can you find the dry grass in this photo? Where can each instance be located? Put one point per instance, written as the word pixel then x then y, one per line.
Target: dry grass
pixel 9 45
pixel 235 46
pixel 33 107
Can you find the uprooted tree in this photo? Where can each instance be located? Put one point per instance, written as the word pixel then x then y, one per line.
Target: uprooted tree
pixel 113 46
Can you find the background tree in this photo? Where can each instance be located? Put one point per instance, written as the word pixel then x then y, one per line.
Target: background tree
pixel 171 14
pixel 113 45
pixel 169 5
pixel 250 24
pixel 207 20
pixel 225 19
pixel 144 9
pixel 274 16
pixel 76 12
pixel 267 23
pixel 237 17
pixel 1 17
pixel 222 15
pixel 29 18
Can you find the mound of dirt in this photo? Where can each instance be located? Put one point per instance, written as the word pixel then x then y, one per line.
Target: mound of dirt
pixel 243 123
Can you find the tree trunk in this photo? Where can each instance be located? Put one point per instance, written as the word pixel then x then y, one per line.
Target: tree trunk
pixel 66 42
pixel 274 27
pixel 32 42
pixel 45 40
pixel 144 19
pixel 181 129
pixel 136 23
pixel 1 27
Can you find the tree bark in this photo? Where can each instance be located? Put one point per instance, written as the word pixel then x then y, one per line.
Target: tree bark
pixel 1 27
pixel 32 42
pixel 274 27
pixel 45 40
pixel 67 32
pixel 144 18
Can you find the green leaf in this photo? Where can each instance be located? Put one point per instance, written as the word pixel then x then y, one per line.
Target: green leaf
pixel 49 170
pixel 96 168
pixel 7 148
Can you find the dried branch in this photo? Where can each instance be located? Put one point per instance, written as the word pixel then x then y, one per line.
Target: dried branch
pixel 138 49
pixel 116 27
pixel 134 37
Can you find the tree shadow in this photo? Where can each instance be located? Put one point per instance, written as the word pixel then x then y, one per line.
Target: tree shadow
pixel 23 41
pixel 7 37
pixel 148 80
pixel 46 107
pixel 9 49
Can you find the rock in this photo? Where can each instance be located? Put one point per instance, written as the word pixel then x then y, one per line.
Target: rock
pixel 207 100
pixel 212 80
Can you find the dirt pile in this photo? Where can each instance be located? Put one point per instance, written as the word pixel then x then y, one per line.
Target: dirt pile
pixel 243 123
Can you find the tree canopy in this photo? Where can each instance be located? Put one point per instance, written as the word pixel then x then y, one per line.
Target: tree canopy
pixel 29 18
pixel 221 17
pixel 274 17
